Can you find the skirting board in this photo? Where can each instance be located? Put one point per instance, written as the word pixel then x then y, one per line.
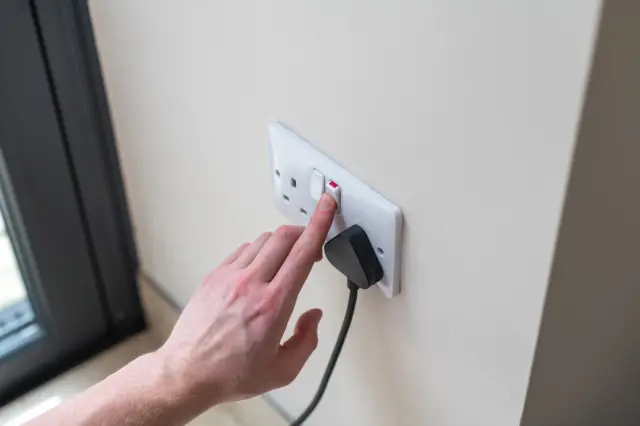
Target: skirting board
pixel 161 314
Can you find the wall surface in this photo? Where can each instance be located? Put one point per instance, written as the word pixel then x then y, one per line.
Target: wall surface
pixel 463 113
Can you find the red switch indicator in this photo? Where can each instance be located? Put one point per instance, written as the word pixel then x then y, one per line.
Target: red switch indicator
pixel 333 189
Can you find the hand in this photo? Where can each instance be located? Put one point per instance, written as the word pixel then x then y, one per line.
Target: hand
pixel 226 344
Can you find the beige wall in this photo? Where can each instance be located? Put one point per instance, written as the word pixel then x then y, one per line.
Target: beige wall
pixel 464 113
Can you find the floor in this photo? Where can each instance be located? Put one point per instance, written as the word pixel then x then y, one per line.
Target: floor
pixel 76 380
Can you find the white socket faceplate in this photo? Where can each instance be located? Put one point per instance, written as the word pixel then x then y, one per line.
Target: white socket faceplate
pixel 295 165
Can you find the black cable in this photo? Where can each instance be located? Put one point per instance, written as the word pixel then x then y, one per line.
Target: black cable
pixel 351 253
pixel 342 336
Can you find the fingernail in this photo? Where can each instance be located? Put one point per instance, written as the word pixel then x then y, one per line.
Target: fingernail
pixel 327 203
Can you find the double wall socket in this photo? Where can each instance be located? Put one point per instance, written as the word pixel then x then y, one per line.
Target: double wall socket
pixel 301 173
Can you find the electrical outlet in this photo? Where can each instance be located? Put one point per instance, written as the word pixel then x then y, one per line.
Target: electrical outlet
pixel 301 173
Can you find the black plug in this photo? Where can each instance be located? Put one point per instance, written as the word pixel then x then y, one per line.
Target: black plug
pixel 352 254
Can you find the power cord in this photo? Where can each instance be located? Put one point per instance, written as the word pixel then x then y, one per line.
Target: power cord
pixel 352 254
pixel 333 360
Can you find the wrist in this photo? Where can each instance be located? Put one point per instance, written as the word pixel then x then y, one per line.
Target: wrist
pixel 170 394
pixel 183 386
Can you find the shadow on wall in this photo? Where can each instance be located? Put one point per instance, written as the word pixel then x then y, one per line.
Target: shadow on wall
pixel 587 363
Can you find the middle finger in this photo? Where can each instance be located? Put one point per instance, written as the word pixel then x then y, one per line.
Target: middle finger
pixel 268 261
pixel 249 253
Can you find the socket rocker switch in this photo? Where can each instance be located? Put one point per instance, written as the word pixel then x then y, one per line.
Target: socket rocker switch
pixel 301 174
pixel 316 185
pixel 334 189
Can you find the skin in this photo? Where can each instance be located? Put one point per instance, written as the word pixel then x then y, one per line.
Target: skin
pixel 228 343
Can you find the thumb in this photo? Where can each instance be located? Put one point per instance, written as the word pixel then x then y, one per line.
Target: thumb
pixel 295 352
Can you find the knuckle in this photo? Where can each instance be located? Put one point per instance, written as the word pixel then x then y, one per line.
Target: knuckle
pixel 275 297
pixel 321 221
pixel 236 254
pixel 243 284
pixel 243 247
pixel 270 301
pixel 315 235
pixel 312 239
pixel 282 231
pixel 302 253
pixel 244 280
pixel 286 232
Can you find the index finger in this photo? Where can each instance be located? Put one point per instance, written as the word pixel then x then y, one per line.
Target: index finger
pixel 297 266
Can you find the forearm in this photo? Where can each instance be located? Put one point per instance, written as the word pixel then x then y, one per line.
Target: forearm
pixel 145 392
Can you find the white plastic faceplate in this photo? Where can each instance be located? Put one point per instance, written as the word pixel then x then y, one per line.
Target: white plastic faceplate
pixel 294 158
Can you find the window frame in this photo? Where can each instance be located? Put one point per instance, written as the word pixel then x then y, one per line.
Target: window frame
pixel 99 265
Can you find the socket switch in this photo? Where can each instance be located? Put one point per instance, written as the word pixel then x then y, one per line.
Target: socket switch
pixel 301 173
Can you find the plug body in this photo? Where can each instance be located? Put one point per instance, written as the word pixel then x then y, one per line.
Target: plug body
pixel 351 253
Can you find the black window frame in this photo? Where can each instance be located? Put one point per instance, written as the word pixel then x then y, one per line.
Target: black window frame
pixel 64 32
pixel 67 34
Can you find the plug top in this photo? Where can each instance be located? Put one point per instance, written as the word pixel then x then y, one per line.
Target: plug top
pixel 351 253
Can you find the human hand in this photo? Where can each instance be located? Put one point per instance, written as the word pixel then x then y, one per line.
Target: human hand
pixel 226 344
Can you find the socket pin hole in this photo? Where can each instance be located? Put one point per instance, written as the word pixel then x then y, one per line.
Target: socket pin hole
pixel 380 251
pixel 303 211
pixel 286 198
pixel 293 183
pixel 277 172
